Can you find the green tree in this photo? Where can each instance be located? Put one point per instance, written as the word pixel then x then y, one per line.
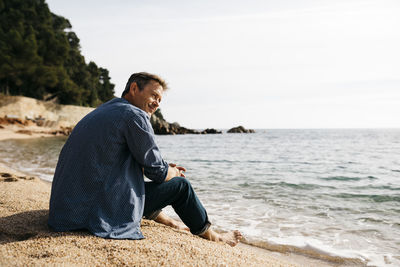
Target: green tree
pixel 40 57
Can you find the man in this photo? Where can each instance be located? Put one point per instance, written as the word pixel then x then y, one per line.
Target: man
pixel 98 184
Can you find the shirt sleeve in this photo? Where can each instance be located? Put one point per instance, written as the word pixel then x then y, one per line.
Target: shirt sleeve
pixel 140 139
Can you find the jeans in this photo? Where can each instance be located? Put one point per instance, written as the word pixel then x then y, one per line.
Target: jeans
pixel 178 193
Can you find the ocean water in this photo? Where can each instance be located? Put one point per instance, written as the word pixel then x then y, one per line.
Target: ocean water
pixel 332 194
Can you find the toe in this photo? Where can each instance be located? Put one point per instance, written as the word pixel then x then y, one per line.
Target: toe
pixel 238 234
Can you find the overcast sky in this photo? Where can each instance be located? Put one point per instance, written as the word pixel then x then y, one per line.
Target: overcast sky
pixel 260 64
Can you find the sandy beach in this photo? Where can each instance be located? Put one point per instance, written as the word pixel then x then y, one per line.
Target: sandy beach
pixel 26 240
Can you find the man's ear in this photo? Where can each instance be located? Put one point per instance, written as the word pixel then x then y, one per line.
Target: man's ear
pixel 133 88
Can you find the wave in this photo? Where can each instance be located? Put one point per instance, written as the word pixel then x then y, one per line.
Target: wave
pixel 379 187
pixel 214 160
pixel 301 186
pixel 375 198
pixel 346 178
pixel 231 161
pixel 309 251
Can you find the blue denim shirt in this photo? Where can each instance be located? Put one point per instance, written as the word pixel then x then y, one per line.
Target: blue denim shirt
pixel 98 183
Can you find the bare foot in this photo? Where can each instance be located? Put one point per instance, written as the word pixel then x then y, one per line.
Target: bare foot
pixel 164 219
pixel 179 225
pixel 231 238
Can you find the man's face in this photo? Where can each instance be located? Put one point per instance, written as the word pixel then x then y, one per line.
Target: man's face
pixel 148 99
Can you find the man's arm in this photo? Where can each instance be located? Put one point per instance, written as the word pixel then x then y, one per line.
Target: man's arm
pixel 174 171
pixel 141 143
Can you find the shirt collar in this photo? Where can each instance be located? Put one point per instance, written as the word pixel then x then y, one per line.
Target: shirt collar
pixel 127 102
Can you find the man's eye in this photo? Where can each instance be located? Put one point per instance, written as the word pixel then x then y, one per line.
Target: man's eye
pixel 157 98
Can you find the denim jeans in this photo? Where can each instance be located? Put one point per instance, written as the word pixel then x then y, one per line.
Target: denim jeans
pixel 178 193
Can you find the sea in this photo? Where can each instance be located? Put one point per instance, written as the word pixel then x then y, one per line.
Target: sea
pixel 332 194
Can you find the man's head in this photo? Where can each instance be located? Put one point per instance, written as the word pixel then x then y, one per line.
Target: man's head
pixel 145 90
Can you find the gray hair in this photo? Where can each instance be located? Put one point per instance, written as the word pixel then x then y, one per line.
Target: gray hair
pixel 142 79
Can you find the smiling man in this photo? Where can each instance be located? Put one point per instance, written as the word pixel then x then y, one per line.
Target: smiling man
pixel 99 185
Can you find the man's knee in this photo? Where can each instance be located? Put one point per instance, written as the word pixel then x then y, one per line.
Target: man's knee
pixel 182 183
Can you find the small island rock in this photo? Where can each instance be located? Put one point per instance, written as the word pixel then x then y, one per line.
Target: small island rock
pixel 240 129
pixel 211 131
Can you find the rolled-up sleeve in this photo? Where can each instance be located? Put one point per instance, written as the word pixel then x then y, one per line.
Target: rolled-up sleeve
pixel 140 139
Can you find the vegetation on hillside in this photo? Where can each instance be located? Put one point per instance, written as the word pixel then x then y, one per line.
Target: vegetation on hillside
pixel 40 57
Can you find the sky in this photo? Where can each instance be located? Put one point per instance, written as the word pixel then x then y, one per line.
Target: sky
pixel 261 64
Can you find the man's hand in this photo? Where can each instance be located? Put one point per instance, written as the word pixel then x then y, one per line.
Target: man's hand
pixel 181 169
pixel 174 171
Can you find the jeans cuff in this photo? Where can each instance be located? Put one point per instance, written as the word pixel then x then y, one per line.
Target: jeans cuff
pixel 202 230
pixel 153 215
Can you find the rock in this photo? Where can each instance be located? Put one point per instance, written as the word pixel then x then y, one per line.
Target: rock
pixel 26 177
pixel 28 132
pixel 162 127
pixel 10 119
pixel 7 177
pixel 183 130
pixel 10 179
pixel 211 131
pixel 175 124
pixel 240 129
pixel 62 131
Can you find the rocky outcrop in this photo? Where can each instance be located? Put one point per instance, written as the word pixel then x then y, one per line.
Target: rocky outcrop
pixel 161 126
pixel 240 129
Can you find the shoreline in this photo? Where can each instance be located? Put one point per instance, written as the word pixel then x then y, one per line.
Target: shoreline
pixel 26 240
pixel 11 133
pixel 42 187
